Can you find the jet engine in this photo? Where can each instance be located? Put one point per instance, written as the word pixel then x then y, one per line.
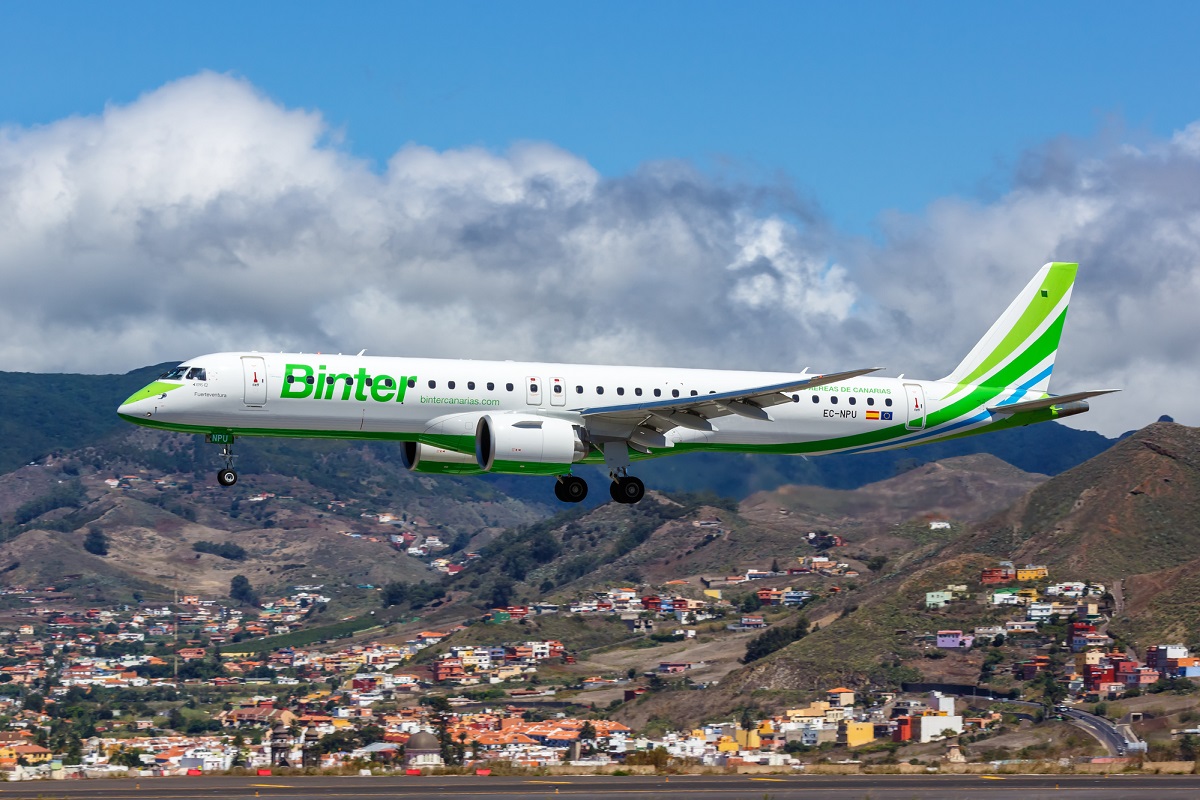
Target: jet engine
pixel 420 457
pixel 524 444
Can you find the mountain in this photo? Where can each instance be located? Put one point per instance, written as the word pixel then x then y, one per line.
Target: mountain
pixel 1133 509
pixel 48 413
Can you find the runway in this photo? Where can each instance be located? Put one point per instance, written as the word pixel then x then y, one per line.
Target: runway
pixel 716 787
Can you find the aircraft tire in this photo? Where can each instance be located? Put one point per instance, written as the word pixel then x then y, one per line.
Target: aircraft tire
pixel 226 477
pixel 627 490
pixel 574 489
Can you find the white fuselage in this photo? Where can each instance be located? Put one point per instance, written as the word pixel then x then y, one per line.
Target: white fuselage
pixel 249 394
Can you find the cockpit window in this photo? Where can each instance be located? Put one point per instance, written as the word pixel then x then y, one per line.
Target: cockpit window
pixel 175 374
pixel 196 374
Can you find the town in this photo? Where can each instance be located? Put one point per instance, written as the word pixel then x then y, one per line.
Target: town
pixel 164 689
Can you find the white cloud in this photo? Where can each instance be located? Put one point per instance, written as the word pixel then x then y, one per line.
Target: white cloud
pixel 204 216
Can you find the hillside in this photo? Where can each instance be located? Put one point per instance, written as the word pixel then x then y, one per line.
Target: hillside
pixel 151 496
pixel 1133 509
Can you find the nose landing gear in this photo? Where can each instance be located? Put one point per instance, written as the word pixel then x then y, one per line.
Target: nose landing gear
pixel 227 476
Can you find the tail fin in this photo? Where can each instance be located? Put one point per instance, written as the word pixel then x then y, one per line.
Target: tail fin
pixel 1019 349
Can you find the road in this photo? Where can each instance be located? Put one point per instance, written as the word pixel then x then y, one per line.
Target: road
pixel 1099 727
pixel 722 787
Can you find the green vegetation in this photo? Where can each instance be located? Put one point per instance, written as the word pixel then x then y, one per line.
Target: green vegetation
pixel 68 494
pixel 228 550
pixel 241 590
pixel 339 630
pixel 775 638
pixel 416 595
pixel 95 542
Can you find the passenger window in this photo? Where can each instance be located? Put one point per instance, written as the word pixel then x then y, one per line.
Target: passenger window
pixel 291 378
pixel 658 392
pixel 870 401
pixel 853 401
pixel 388 382
pixel 833 399
pixel 638 392
pixel 449 384
pixel 491 386
pixel 887 401
pixel 471 385
pixel 621 390
pixel 795 398
pixel 578 390
pixel 816 398
pixel 674 393
pixel 310 380
pixel 508 386
pixel 369 381
pixel 558 388
pixel 349 381
pixel 599 390
pixel 412 383
pixel 433 384
pixel 533 388
pixel 694 393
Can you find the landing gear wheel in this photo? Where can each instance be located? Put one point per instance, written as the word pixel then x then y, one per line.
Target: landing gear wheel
pixel 627 490
pixel 226 477
pixel 570 489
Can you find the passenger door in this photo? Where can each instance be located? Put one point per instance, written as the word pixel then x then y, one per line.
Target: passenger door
pixel 558 392
pixel 916 406
pixel 255 370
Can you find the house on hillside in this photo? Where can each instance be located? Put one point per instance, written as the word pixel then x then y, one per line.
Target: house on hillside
pixel 938 599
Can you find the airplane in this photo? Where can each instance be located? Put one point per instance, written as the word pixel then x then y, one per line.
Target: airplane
pixel 463 417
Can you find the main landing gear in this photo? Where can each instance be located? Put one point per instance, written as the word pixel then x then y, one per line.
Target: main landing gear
pixel 570 488
pixel 626 489
pixel 228 475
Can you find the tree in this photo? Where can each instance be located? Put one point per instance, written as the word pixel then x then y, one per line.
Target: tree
pixel 1187 748
pixel 875 563
pixel 587 738
pixel 95 542
pixel 774 639
pixel 502 594
pixel 241 590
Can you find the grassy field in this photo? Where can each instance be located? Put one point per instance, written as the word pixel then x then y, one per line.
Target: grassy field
pixel 338 630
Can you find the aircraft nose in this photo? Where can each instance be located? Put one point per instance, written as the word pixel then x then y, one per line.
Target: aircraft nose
pixel 140 403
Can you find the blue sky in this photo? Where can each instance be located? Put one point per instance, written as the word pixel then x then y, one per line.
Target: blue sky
pixel 863 107
pixel 671 183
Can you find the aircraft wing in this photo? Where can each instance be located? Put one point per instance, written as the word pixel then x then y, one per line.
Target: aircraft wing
pixel 1046 402
pixel 695 412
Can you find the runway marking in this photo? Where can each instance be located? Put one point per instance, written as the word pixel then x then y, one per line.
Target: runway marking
pixel 992 778
pixel 552 783
pixel 772 780
pixel 271 786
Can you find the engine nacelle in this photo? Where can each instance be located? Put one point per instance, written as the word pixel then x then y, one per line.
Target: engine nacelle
pixel 524 444
pixel 420 457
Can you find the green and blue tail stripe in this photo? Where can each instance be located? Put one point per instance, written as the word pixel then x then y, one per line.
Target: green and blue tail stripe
pixel 1019 333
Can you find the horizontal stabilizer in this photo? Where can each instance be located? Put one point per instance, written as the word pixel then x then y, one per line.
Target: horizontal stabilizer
pixel 1047 402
